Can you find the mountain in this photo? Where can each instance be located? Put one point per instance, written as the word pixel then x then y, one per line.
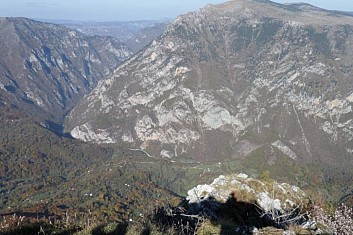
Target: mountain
pixel 248 79
pixel 45 68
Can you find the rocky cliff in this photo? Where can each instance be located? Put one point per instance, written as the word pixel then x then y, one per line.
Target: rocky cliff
pixel 45 68
pixel 245 79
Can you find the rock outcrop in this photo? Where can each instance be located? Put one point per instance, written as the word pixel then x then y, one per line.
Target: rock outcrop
pixel 270 196
pixel 238 204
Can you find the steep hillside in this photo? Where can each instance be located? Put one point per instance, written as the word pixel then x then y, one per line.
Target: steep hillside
pixel 247 79
pixel 42 173
pixel 45 69
pixel 33 158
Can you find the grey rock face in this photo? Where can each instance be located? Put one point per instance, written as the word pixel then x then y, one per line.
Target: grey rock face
pixel 45 69
pixel 230 79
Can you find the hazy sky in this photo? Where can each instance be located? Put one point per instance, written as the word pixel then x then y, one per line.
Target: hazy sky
pixel 109 10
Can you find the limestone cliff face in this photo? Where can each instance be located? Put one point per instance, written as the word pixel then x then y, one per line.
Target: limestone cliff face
pixel 45 68
pixel 231 79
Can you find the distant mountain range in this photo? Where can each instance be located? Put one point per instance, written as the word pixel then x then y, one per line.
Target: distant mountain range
pixel 136 34
pixel 120 30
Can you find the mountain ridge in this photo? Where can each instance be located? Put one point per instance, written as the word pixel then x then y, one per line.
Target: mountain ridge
pixel 299 12
pixel 227 83
pixel 40 59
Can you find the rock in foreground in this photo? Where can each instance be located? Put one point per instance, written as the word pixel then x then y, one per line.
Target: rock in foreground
pixel 238 204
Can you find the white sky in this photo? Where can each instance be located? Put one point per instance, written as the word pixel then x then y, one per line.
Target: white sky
pixel 120 10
